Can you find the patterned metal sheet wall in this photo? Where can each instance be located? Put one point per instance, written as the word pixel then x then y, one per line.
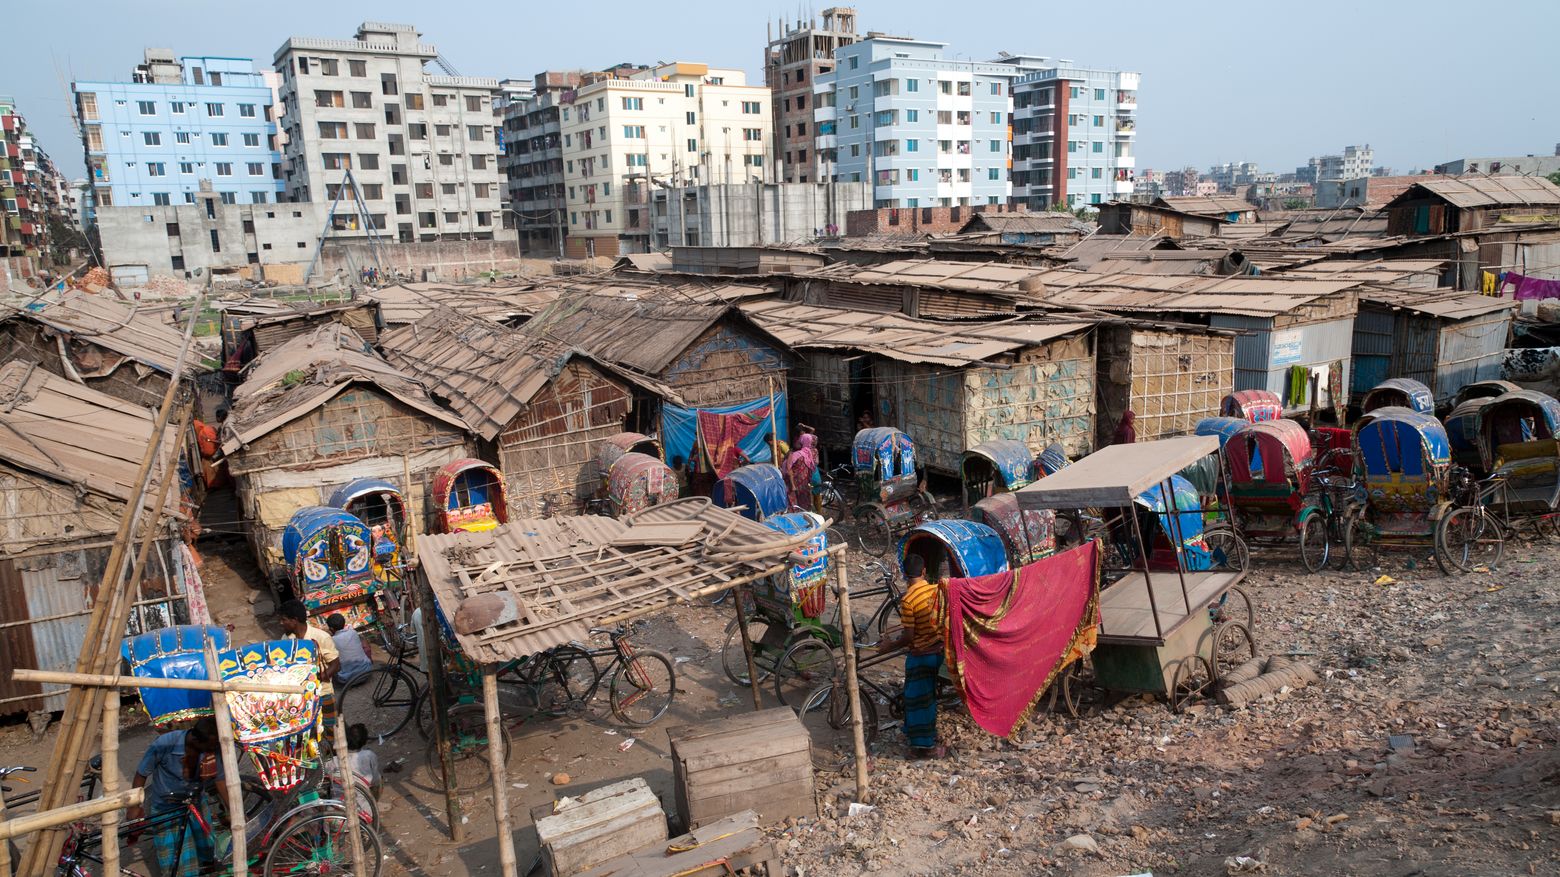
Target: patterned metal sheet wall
pixel 1470 351
pixel 1257 367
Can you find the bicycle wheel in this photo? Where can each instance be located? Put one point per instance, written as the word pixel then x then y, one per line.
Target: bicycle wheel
pixel 826 716
pixel 734 660
pixel 1466 539
pixel 1314 544
pixel 383 699
pixel 468 736
pixel 1226 549
pixel 565 681
pixel 873 530
pixel 321 845
pixel 643 688
pixel 805 664
pixel 1362 544
pixel 1233 645
pixel 1234 605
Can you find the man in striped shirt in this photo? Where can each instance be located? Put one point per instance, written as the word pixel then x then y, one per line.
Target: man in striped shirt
pixel 923 615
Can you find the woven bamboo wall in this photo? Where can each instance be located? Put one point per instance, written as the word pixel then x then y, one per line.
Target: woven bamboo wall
pixel 1169 379
pixel 820 397
pixel 1046 396
pixel 725 366
pixel 35 511
pixel 927 403
pixel 361 422
pixel 548 454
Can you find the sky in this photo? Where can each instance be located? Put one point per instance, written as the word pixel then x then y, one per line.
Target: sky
pixel 1421 81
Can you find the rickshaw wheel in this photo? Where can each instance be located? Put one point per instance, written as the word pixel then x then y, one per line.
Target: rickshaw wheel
pixel 1071 688
pixel 826 715
pixel 468 740
pixel 320 845
pixel 1227 548
pixel 1547 527
pixel 1193 677
pixel 1466 538
pixel 807 663
pixel 873 530
pixel 1315 547
pixel 1361 545
pixel 734 661
pixel 1234 606
pixel 1233 645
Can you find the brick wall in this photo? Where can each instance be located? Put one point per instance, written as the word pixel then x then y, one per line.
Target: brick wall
pixel 917 220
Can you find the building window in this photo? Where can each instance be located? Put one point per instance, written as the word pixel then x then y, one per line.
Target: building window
pixel 912 115
pixel 362 100
pixel 446 188
pixel 912 85
pixel 416 130
pixel 364 130
pixel 187 167
pixel 636 159
pixel 214 110
pixel 475 132
pixel 996 145
pixel 1074 92
pixel 147 107
pixel 752 107
pixel 1099 94
pixel 219 139
pixel 752 134
pixel 479 162
pixel 338 131
pixel 414 101
pixel 687 89
pixel 251 140
pixel 246 110
pixel 993 174
pixel 854 92
pixel 912 175
pixel 333 161
pixel 964 89
pixel 996 88
pixel 224 169
pixel 255 168
pixel 691 117
pixel 1096 173
pixel 473 103
pixel 484 218
pixel 912 146
pixel 156 169
pixel 451 217
pixel 189 197
pixel 633 103
pixel 330 67
pixel 151 138
pixel 259 198
pixel 357 68
pixel 1099 121
pixel 1097 147
pixel 181 137
pixel 996 118
pixel 693 144
pixel 176 107
pixel 853 62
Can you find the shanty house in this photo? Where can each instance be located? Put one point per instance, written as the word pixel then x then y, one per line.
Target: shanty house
pixel 251 328
pixel 949 386
pixel 712 355
pixel 1222 207
pixel 543 408
pixel 122 349
pixel 1146 220
pixel 323 410
pixel 922 288
pixel 1441 205
pixel 1047 228
pixel 69 456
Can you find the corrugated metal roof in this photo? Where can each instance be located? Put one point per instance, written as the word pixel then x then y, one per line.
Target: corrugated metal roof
pixel 308 371
pixel 406 303
pixel 994 277
pixel 487 372
pixel 1048 222
pixel 565 575
pixel 1244 295
pixel 1210 206
pixel 1506 190
pixel 902 338
pixel 139 334
pixel 70 433
pixel 1445 304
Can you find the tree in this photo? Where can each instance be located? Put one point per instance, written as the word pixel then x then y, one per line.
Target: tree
pixel 64 237
pixel 1295 204
pixel 1555 178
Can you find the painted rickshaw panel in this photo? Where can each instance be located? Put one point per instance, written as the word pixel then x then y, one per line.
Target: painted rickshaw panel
pixel 1027 535
pixel 470 496
pixel 1223 427
pixel 1404 455
pixel 971 548
pixel 1010 461
pixel 1399 392
pixel 801 591
pixel 1253 405
pixel 638 482
pixel 329 555
pixel 884 460
pixel 1049 462
pixel 613 447
pixel 176 652
pixel 1193 551
pixel 1463 433
pixel 758 487
pixel 387 540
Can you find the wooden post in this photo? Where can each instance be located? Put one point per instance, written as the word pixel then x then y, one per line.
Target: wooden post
pixel 774 424
pixel 410 510
pixel 852 685
pixel 439 690
pixel 104 680
pixel 230 777
pixel 77 812
pixel 508 867
pixel 747 645
pixel 348 797
pixel 110 783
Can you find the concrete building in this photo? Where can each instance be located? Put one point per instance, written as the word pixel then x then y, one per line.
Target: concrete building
pixel 669 125
pixel 420 145
pixel 533 164
pixel 1372 191
pixel 926 130
pixel 179 124
pixel 751 214
pixel 1528 165
pixel 1354 163
pixel 1073 133
pixel 793 61
pixel 30 192
pixel 1231 174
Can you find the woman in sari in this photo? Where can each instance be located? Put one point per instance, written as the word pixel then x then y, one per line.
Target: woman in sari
pixel 801 471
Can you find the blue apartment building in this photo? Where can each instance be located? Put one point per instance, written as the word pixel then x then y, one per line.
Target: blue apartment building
pixel 926 130
pixel 181 124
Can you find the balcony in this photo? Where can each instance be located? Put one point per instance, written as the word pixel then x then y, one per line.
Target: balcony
pixel 1121 187
pixel 825 114
pixel 825 141
pixel 1126 128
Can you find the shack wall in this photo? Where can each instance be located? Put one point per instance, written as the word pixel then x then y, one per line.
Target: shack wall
pixel 1046 395
pixel 1470 350
pixel 927 402
pixel 38 511
pixel 727 365
pixel 1170 380
pixel 548 454
pixel 1264 355
pixel 821 396
pixel 130 381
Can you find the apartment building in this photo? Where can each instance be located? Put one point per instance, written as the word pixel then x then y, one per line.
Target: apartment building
pixel 924 129
pixel 794 59
pixel 533 164
pixel 668 125
pixel 420 145
pixel 177 124
pixel 1073 132
pixel 25 187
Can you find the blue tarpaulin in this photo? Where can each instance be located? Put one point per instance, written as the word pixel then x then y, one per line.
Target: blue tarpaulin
pixel 758 488
pixel 680 430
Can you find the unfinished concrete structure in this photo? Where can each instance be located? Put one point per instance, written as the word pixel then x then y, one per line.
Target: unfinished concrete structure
pixel 795 57
pixel 751 214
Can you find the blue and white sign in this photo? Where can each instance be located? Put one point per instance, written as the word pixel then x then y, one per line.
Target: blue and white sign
pixel 1286 347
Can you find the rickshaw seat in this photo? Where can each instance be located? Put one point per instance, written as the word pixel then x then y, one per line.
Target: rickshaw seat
pixel 899 488
pixel 1540 448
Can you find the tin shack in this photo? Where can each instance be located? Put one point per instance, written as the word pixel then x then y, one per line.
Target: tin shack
pixel 69 456
pixel 540 408
pixel 319 412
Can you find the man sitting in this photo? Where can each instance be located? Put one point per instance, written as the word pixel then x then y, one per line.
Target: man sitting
pixel 354 658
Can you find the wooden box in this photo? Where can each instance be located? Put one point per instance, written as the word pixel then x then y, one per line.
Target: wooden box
pixel 760 761
pixel 600 825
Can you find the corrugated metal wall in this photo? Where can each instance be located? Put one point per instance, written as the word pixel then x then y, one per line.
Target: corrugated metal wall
pixel 1414 343
pixel 1372 352
pixel 1470 351
pixel 1320 344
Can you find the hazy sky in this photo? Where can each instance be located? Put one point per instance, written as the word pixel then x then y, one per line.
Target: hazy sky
pixel 1422 81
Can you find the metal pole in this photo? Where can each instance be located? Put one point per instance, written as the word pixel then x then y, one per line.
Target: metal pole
pixel 1148 581
pixel 747 645
pixel 1180 542
pixel 852 684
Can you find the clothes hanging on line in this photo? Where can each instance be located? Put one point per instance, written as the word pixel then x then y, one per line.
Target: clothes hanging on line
pixel 1487 282
pixel 1531 288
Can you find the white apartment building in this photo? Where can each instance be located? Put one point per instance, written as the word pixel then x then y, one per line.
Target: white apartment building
pixel 421 145
pixel 669 125
pixel 1074 129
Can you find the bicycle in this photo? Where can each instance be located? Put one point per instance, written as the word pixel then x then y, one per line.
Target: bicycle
pixel 1470 535
pixel 1337 518
pixel 641 690
pixel 830 500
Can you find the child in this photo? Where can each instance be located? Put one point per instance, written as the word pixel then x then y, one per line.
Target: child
pixel 365 762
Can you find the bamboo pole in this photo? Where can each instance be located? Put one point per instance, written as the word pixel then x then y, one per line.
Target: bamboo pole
pixel 349 796
pixel 439 690
pixel 230 777
pixel 747 646
pixel 410 548
pixel 103 680
pixel 110 782
pixel 774 427
pixel 852 684
pixel 508 866
pixel 77 812
pixel 66 763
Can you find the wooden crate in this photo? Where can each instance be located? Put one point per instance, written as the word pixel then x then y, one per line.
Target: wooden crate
pixel 760 761
pixel 600 825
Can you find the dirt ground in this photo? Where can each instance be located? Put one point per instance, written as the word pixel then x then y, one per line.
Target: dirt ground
pixel 1464 672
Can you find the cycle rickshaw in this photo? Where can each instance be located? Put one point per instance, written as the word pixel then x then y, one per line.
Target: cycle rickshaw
pixel 995 467
pixel 756 491
pixel 1399 392
pixel 1482 390
pixel 1276 491
pixel 470 496
pixel 1026 536
pixel 330 563
pixel 891 498
pixel 638 482
pixel 1252 405
pixel 1405 460
pixel 955 549
pixel 1049 462
pixel 380 505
